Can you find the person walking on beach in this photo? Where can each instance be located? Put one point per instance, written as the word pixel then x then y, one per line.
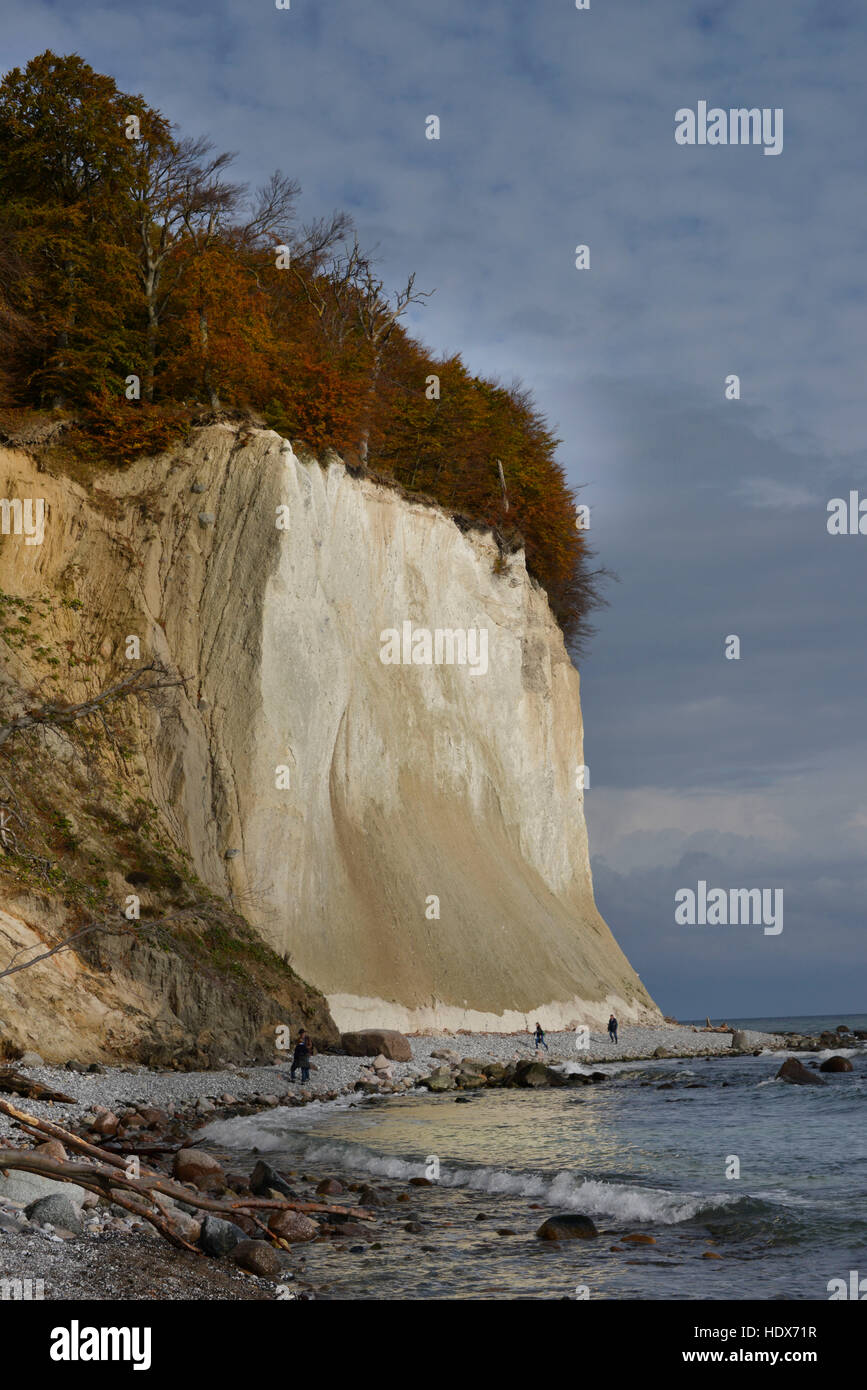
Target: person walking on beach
pixel 540 1038
pixel 612 1029
pixel 301 1057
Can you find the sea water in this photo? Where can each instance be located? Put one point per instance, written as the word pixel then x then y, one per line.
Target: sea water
pixel 650 1151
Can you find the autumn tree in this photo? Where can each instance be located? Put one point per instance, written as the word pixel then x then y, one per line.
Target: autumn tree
pixel 64 160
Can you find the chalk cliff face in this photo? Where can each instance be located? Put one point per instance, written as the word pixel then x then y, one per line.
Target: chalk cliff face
pixel 411 834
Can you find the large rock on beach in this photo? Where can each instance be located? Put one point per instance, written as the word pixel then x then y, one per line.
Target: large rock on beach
pixel 794 1071
pixel 439 1081
pixel 28 1187
pixel 537 1074
pixel 568 1226
pixel 373 1041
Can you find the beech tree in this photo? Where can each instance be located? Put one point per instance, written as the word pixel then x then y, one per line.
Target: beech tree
pixel 142 255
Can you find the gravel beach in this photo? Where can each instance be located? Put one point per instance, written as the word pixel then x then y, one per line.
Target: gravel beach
pixel 116 1086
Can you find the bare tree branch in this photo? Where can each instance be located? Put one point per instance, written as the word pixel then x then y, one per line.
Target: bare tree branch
pixel 56 715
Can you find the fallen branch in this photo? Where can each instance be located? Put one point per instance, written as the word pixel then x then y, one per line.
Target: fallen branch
pixel 18 1085
pixel 109 1177
pixel 107 927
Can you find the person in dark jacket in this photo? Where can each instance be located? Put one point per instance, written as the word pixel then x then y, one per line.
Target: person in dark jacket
pixel 612 1029
pixel 540 1038
pixel 301 1057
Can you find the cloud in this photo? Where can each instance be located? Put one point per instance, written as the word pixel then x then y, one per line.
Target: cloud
pixel 558 129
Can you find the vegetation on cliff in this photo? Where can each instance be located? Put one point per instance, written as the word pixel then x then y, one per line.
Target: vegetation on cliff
pixel 139 284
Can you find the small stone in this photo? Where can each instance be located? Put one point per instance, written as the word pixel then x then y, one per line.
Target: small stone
pixel 257 1257
pixel 638 1239
pixel 206 519
pixel 293 1226
pixel 106 1124
pixel 265 1179
pixel 190 1165
pixel 52 1148
pixel 219 1237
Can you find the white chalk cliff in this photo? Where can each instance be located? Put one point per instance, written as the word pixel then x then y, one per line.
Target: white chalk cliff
pixel 400 784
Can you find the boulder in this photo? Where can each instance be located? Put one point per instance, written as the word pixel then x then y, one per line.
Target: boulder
pixel 375 1041
pixel 106 1124
pixel 495 1072
pixel 28 1187
pixel 569 1226
pixel 532 1074
pixel 439 1081
pixel 188 1227
pixel 191 1165
pixel 470 1080
pixel 836 1064
pixel 293 1226
pixel 30 1059
pixel 794 1071
pixel 257 1257
pixel 56 1210
pixel 330 1187
pixel 153 1117
pixel 219 1237
pixel 745 1041
pixel 473 1064
pixel 265 1179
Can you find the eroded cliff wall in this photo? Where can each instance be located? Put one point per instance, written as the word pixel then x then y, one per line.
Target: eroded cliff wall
pixel 333 796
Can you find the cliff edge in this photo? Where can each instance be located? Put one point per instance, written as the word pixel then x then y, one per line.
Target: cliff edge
pixel 403 826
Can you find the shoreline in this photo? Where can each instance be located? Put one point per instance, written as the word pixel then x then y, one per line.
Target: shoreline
pixel 137 1109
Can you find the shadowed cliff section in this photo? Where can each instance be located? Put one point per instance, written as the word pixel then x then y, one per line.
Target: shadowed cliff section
pixel 400 783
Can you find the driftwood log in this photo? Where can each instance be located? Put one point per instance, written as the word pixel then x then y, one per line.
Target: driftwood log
pixel 109 1177
pixel 17 1085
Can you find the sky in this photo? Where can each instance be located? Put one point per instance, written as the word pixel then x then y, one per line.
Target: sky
pixel 557 130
